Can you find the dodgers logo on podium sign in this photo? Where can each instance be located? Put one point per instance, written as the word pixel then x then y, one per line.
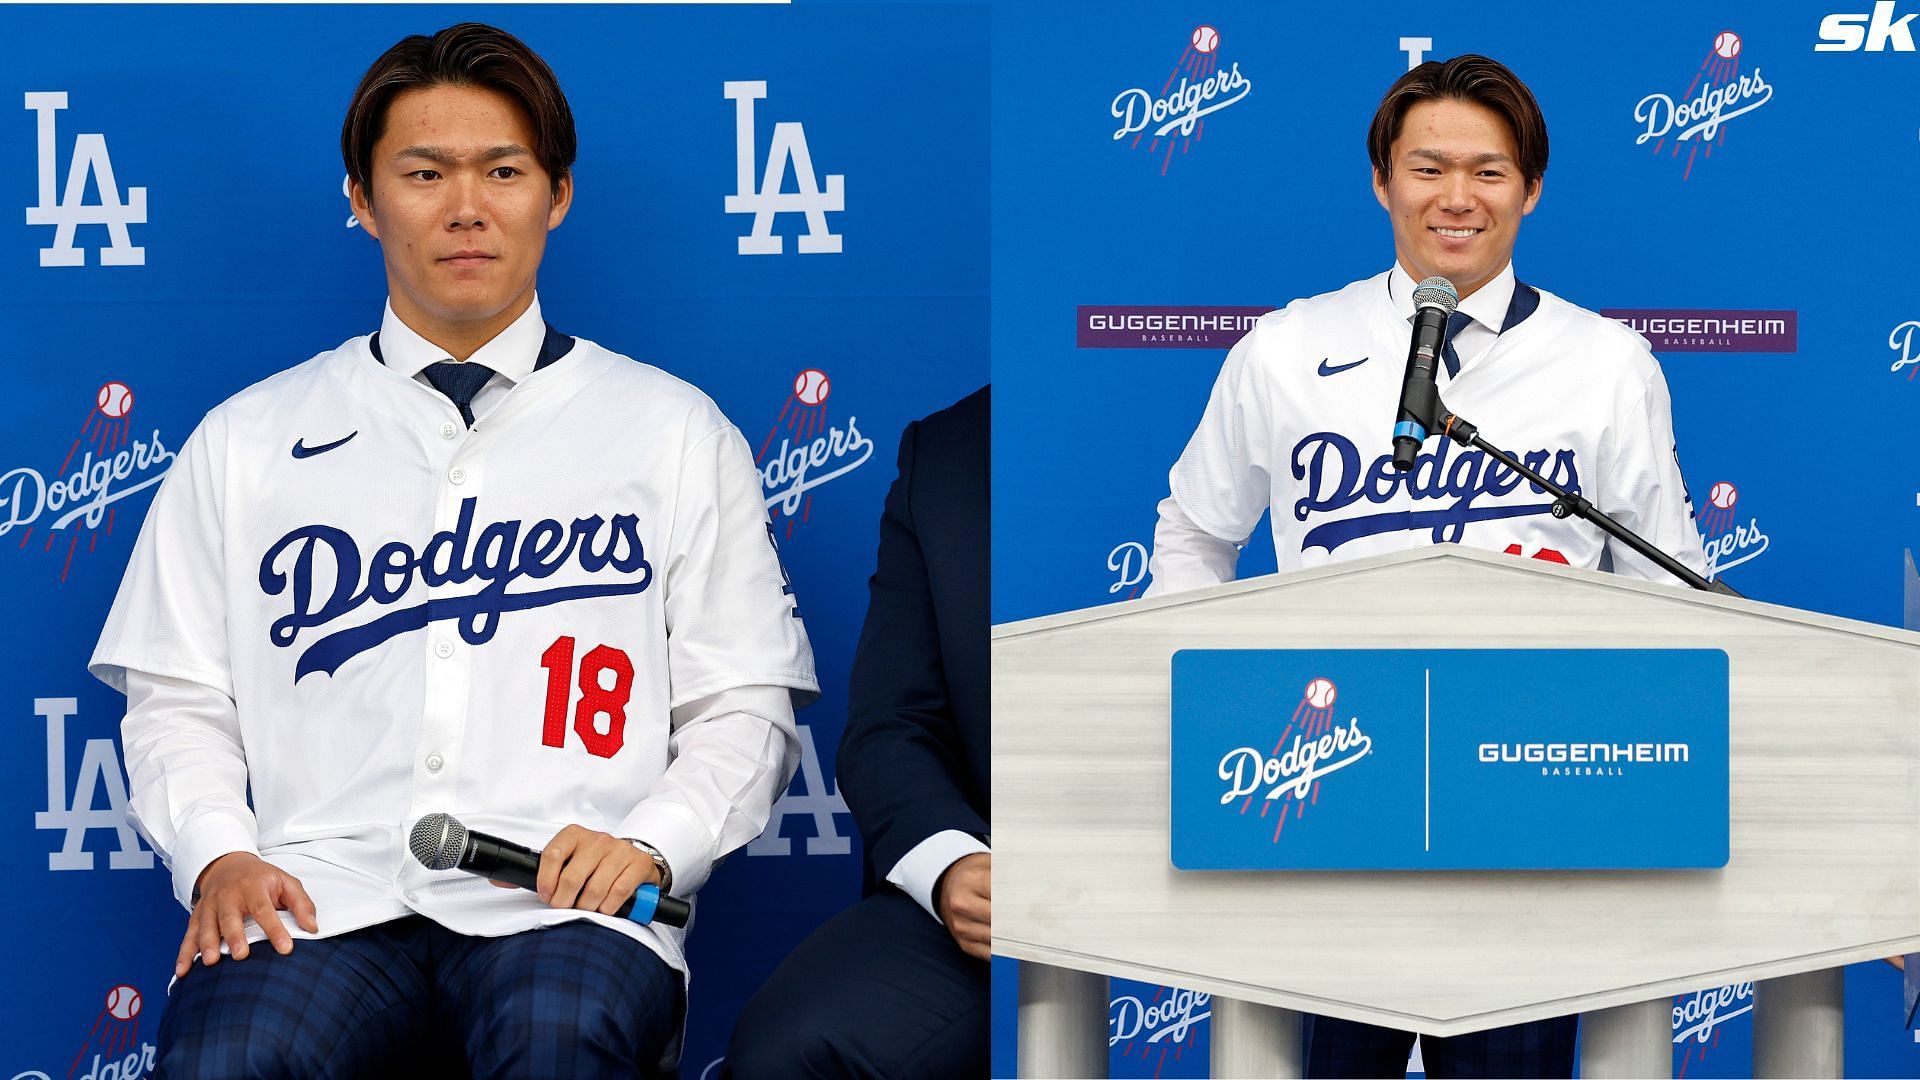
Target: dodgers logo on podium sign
pixel 1449 759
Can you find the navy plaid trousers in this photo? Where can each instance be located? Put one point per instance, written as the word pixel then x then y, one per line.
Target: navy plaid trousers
pixel 1341 1048
pixel 412 998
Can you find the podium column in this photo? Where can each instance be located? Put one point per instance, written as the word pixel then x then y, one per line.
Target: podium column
pixel 1797 1024
pixel 1628 1040
pixel 1063 1022
pixel 1256 1040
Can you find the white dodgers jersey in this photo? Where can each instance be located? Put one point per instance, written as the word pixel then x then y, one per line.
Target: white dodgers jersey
pixel 1302 417
pixel 413 617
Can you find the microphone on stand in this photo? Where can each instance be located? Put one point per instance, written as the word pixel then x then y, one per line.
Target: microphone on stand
pixel 1434 301
pixel 440 842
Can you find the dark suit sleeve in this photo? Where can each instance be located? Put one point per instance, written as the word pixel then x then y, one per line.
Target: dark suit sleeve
pixel 897 761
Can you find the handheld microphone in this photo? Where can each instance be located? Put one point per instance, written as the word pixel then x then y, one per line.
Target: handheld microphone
pixel 1434 302
pixel 440 842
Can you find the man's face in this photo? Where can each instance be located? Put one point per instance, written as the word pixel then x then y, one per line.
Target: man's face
pixel 460 205
pixel 1456 194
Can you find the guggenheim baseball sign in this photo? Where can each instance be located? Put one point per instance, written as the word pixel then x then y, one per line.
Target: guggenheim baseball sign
pixel 1449 759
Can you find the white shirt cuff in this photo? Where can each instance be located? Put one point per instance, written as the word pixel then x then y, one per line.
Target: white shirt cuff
pixel 205 839
pixel 919 870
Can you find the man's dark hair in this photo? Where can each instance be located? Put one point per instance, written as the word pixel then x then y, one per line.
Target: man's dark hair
pixel 470 54
pixel 1472 78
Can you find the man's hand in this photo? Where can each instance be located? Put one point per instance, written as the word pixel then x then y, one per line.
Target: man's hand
pixel 592 871
pixel 963 896
pixel 233 887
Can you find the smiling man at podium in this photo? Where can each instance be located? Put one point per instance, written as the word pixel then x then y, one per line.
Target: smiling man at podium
pixel 1302 416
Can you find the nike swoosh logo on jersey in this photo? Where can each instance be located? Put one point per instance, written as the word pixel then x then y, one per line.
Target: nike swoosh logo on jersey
pixel 302 451
pixel 1338 368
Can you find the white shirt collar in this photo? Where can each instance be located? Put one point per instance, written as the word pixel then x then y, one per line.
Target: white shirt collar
pixel 511 353
pixel 1487 306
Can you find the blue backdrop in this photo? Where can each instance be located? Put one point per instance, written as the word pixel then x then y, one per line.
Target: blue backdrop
pixel 1797 205
pixel 210 136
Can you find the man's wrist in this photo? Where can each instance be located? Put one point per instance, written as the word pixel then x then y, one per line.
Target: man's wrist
pixel 659 863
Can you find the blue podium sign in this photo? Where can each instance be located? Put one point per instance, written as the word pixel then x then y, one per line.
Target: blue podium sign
pixel 1449 759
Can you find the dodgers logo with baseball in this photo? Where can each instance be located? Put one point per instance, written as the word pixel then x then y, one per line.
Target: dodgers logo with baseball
pixel 1176 114
pixel 112 1048
pixel 812 449
pixel 1293 770
pixel 1730 540
pixel 1719 92
pixel 73 505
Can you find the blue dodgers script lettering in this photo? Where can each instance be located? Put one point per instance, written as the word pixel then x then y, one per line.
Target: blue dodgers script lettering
pixel 500 555
pixel 1330 464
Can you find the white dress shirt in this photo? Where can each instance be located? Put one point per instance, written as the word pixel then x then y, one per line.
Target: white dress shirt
pixel 919 870
pixel 1487 307
pixel 511 354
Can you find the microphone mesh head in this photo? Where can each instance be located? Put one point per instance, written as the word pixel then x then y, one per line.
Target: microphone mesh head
pixel 437 841
pixel 1436 292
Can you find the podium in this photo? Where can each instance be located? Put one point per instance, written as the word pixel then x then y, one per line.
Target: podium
pixel 1824 866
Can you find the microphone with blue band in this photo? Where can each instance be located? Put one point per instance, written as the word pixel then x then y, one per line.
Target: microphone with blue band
pixel 440 842
pixel 1434 301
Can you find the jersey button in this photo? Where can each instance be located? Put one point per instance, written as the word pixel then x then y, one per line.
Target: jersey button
pixel 458 476
pixel 434 761
pixel 411 896
pixel 444 649
pixel 448 431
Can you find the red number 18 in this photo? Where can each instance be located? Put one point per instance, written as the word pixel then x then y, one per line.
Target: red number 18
pixel 595 698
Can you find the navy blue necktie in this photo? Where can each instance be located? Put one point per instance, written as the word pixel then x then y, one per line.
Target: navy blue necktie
pixel 1456 322
pixel 459 382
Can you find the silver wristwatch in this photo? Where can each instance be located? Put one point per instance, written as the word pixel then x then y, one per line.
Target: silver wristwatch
pixel 659 863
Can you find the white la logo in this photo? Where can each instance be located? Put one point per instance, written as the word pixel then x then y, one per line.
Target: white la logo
pixel 70 212
pixel 99 767
pixel 820 804
pixel 789 146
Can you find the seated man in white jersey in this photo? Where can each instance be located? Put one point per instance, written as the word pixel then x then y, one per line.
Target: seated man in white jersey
pixel 469 565
pixel 1301 420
